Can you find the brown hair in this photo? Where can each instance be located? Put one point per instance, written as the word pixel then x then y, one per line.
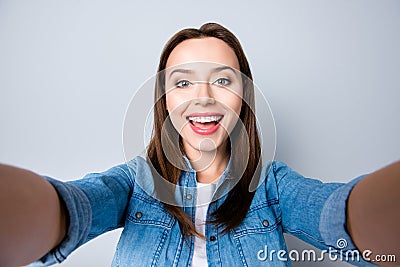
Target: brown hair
pixel 234 209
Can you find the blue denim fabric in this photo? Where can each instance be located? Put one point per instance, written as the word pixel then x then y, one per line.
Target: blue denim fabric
pixel 284 202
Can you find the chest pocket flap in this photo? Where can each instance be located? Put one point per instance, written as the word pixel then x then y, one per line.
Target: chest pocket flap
pixel 148 211
pixel 261 218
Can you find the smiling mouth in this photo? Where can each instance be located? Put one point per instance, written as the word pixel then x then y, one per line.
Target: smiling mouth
pixel 204 124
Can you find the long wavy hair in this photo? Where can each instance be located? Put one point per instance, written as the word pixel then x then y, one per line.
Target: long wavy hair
pixel 233 210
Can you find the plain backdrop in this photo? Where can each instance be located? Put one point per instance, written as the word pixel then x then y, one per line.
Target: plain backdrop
pixel 68 69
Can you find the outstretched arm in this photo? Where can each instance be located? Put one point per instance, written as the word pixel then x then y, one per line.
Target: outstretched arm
pixel 373 213
pixel 33 219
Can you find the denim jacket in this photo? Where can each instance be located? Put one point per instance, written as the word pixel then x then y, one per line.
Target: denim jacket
pixel 284 202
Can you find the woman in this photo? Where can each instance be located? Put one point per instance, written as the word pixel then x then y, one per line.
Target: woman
pixel 202 164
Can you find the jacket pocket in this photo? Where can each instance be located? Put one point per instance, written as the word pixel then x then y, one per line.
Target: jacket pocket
pixel 261 218
pixel 147 211
pixel 259 230
pixel 147 232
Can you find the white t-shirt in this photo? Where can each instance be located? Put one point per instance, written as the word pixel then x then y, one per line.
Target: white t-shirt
pixel 204 196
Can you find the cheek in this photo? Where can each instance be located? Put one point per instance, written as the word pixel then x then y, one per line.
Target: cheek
pixel 237 105
pixel 167 102
pixel 170 102
pixel 176 100
pixel 232 102
pixel 176 106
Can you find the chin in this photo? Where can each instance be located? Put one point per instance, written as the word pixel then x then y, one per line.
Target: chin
pixel 205 144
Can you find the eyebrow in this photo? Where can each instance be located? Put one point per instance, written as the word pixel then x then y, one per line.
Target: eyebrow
pixel 180 71
pixel 218 69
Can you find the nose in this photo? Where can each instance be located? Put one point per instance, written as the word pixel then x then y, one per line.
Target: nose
pixel 204 94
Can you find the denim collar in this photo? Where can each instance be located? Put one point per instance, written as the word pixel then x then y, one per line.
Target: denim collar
pixel 220 190
pixel 224 176
pixel 187 183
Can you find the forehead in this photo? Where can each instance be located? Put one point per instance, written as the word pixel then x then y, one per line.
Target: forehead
pixel 209 49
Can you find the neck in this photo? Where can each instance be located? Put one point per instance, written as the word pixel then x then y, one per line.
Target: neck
pixel 209 165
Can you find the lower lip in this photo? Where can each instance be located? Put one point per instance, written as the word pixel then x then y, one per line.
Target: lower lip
pixel 204 131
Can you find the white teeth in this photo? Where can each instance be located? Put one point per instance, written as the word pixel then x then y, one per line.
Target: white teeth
pixel 205 119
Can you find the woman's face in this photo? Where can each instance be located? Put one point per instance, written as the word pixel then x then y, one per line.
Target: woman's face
pixel 203 93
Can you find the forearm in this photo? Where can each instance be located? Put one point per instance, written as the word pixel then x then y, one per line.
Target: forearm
pixel 33 219
pixel 373 213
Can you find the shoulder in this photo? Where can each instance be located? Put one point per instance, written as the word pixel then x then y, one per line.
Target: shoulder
pixel 271 174
pixel 141 175
pixel 137 165
pixel 275 171
pixel 277 176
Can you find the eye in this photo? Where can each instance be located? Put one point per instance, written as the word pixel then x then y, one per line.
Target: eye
pixel 222 82
pixel 183 84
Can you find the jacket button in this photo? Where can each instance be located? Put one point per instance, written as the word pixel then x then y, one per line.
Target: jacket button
pixel 189 196
pixel 212 238
pixel 138 215
pixel 265 223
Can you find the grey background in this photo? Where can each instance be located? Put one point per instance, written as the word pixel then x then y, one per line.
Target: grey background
pixel 68 69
